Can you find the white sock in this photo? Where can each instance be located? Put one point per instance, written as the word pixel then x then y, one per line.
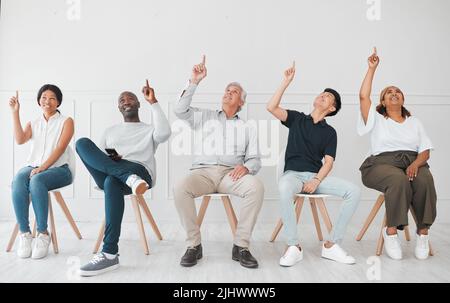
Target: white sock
pixel 109 256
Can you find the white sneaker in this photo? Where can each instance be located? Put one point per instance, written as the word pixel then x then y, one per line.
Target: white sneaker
pixel 338 254
pixel 293 255
pixel 25 241
pixel 422 247
pixel 40 247
pixel 137 185
pixel 392 245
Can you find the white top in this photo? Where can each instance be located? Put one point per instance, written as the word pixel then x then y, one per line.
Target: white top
pixel 44 139
pixel 137 141
pixel 388 135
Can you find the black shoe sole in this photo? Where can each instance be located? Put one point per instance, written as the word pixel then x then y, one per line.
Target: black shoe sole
pixel 192 264
pixel 243 265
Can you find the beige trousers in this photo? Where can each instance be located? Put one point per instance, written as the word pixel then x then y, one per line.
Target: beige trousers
pixel 215 179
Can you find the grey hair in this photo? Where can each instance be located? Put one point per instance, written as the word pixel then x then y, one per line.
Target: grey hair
pixel 243 92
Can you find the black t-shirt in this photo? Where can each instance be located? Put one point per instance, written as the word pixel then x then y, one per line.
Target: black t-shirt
pixel 308 143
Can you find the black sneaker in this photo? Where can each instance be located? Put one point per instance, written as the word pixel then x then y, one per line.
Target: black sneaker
pixel 191 256
pixel 245 258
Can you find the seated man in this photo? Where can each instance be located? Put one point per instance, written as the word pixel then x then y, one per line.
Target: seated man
pixel 131 169
pixel 219 171
pixel 311 140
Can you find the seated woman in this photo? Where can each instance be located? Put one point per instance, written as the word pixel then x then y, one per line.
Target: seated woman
pixel 47 167
pixel 397 166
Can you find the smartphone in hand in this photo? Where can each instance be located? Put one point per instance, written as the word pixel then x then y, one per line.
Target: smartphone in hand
pixel 111 152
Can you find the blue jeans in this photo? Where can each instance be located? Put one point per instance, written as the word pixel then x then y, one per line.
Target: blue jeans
pixel 37 187
pixel 110 176
pixel 291 183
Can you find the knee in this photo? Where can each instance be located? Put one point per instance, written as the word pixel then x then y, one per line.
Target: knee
pixel 257 186
pixel 20 180
pixel 287 188
pixel 183 187
pixel 255 189
pixel 82 143
pixel 424 179
pixel 36 183
pixel 354 191
pixel 399 182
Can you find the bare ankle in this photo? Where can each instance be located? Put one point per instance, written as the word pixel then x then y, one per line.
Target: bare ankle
pixel 391 231
pixel 328 244
pixel 423 231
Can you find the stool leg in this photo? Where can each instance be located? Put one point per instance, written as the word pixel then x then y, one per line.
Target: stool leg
pixel 323 210
pixel 202 210
pixel 381 239
pixel 59 198
pixel 52 226
pixel 371 216
pixel 431 248
pixel 312 202
pixel 13 237
pixel 298 207
pixel 276 231
pixel 140 224
pixel 149 216
pixel 33 233
pixel 407 235
pixel 230 214
pixel 100 237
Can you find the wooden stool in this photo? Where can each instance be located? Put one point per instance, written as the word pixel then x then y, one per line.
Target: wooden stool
pixel 315 201
pixel 232 220
pixel 59 198
pixel 369 220
pixel 138 202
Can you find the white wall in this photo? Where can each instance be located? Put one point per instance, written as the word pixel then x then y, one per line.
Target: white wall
pixel 117 44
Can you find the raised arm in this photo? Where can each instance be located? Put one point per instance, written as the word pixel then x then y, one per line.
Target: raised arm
pixel 182 108
pixel 274 104
pixel 20 135
pixel 162 127
pixel 366 87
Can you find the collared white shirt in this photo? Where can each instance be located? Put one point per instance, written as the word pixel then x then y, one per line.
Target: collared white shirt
pixel 45 136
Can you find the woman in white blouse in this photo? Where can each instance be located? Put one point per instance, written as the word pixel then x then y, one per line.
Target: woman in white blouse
pixel 397 165
pixel 47 167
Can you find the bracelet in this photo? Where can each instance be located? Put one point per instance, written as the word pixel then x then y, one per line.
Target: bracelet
pixel 318 179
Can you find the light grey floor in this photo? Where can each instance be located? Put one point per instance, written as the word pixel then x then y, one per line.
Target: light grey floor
pixel 162 265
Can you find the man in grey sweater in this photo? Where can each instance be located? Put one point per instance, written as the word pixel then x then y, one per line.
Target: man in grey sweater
pixel 129 168
pixel 227 167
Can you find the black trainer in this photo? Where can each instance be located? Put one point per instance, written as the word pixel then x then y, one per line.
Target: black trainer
pixel 191 256
pixel 245 258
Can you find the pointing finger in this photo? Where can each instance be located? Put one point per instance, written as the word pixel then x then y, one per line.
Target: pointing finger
pixel 204 60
